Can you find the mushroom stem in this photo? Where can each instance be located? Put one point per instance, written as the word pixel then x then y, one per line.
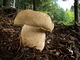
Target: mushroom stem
pixel 33 37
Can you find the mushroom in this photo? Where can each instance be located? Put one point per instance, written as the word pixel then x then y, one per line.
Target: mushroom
pixel 35 24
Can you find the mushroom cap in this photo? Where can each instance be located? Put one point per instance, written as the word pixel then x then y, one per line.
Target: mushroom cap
pixel 34 18
pixel 33 37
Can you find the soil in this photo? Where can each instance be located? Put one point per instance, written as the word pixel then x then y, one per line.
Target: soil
pixel 62 44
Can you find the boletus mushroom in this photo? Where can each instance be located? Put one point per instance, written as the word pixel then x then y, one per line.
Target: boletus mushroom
pixel 35 24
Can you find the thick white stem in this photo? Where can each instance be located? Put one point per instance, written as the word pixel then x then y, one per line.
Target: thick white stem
pixel 33 37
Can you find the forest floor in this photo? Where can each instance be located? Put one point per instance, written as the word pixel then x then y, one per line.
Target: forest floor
pixel 62 44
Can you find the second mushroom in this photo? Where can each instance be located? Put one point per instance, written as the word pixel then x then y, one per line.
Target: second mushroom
pixel 35 24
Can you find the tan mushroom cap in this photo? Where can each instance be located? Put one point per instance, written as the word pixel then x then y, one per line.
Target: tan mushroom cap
pixel 34 18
